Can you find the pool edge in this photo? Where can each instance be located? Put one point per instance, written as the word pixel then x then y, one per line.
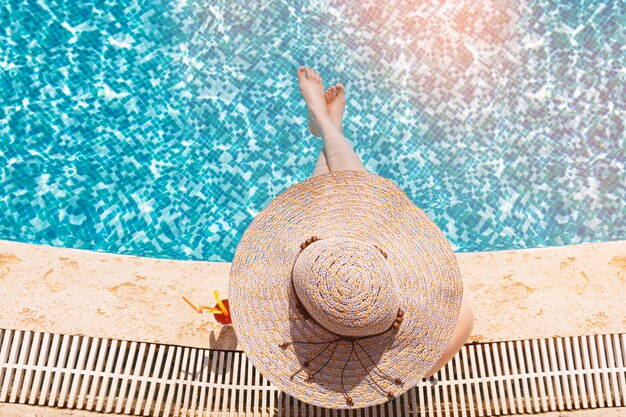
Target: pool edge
pixel 515 294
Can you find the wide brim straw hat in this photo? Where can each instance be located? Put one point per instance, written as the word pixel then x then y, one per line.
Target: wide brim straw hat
pixel 345 262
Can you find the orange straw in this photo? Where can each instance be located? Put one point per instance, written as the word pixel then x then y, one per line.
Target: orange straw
pixel 201 308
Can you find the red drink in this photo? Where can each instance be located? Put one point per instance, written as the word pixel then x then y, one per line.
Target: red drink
pixel 221 318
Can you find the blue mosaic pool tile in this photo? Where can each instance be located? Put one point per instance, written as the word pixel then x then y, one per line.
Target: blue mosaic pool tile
pixel 161 128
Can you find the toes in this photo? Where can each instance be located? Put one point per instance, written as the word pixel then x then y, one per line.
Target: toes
pixel 301 73
pixel 339 88
pixel 310 74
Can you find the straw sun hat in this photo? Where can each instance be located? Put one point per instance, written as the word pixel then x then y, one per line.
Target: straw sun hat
pixel 342 292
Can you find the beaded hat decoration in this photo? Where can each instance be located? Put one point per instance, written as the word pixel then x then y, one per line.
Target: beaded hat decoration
pixel 342 292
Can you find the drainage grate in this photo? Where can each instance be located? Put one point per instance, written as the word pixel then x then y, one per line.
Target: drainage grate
pixel 81 372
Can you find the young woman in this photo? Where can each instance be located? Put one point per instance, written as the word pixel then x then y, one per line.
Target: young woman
pixel 325 119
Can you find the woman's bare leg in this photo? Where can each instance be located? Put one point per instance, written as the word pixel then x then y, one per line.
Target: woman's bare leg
pixel 335 104
pixel 321 167
pixel 338 152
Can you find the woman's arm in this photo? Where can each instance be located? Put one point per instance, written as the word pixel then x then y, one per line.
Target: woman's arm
pixel 462 332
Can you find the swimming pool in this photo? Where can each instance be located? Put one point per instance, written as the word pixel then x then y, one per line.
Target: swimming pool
pixel 162 128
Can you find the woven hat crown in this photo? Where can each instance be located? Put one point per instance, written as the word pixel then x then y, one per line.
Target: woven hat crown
pixel 347 286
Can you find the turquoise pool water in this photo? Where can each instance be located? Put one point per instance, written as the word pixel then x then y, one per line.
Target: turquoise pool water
pixel 161 128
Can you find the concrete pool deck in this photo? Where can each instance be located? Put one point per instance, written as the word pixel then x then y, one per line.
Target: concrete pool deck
pixel 515 294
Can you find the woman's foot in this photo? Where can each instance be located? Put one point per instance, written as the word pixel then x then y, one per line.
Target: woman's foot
pixel 312 90
pixel 335 105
